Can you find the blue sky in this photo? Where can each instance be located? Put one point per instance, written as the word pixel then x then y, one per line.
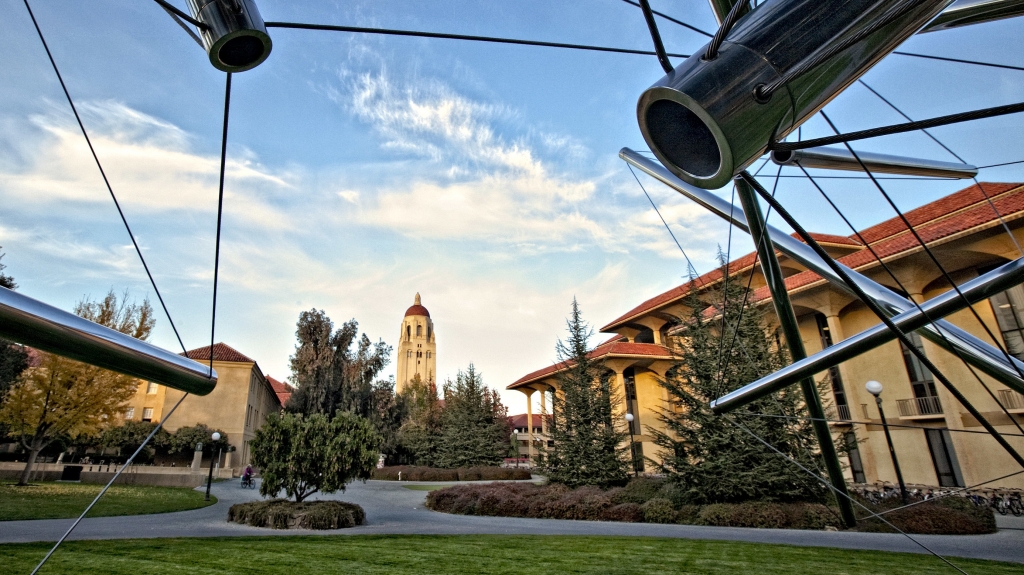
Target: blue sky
pixel 363 169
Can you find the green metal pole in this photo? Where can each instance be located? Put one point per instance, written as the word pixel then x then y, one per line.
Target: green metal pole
pixel 787 321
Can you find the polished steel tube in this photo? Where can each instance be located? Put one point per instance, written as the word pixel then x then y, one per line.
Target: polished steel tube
pixel 842 159
pixel 978 353
pixel 980 288
pixel 44 327
pixel 966 13
pixel 703 120
pixel 235 38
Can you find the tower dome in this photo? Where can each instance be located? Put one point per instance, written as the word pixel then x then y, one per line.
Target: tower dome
pixel 416 308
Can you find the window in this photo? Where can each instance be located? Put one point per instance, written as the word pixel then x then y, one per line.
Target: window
pixel 853 453
pixel 430 330
pixel 946 468
pixel 147 414
pixel 838 393
pixel 129 413
pixel 629 378
pixel 408 332
pixel 419 330
pixel 646 335
pixel 1009 310
pixel 920 378
pixel 150 388
pixel 408 353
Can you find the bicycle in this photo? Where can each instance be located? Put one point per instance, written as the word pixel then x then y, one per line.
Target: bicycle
pixel 248 482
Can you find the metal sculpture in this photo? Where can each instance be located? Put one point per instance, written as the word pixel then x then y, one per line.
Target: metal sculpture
pixel 841 159
pixel 233 33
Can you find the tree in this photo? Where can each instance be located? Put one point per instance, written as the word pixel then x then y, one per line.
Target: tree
pixel 710 458
pixel 589 444
pixel 420 433
pixel 306 454
pixel 63 397
pixel 475 426
pixel 334 370
pixel 185 439
pixel 13 357
pixel 128 437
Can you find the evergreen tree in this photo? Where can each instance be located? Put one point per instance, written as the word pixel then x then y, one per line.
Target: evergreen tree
pixel 724 344
pixel 420 433
pixel 589 444
pixel 475 426
pixel 334 370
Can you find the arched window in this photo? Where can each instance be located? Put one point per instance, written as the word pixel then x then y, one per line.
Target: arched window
pixel 408 353
pixel 408 332
pixel 419 330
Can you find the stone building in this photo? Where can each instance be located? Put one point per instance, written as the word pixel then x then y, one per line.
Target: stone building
pixel 417 347
pixel 937 442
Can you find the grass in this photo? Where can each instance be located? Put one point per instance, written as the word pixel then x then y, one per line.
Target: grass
pixel 492 554
pixel 53 500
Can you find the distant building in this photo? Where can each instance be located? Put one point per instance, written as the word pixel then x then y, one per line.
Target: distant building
pixel 937 441
pixel 417 347
pixel 240 403
pixel 525 435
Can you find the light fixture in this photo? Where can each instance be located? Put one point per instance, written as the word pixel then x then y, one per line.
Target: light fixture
pixel 873 387
pixel 216 436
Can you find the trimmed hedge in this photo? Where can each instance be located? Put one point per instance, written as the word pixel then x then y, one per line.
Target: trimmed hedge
pixel 413 473
pixel 285 514
pixel 946 516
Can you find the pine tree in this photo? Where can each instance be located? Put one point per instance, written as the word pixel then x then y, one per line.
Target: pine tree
pixel 420 432
pixel 474 423
pixel 589 444
pixel 726 343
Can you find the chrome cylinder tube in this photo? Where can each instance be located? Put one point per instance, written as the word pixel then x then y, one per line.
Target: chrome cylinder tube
pixel 44 327
pixel 978 353
pixel 966 13
pixel 980 288
pixel 827 158
pixel 235 37
pixel 704 121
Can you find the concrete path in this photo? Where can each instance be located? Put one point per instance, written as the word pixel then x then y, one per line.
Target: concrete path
pixel 393 509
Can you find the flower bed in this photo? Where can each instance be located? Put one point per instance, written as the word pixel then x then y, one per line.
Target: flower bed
pixel 658 501
pixel 285 514
pixel 412 473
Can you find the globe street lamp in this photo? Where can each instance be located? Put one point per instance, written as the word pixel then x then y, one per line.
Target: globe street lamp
pixel 875 389
pixel 209 478
pixel 632 443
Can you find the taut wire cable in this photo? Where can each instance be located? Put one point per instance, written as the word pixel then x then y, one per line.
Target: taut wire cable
pixel 220 212
pixel 173 10
pixel 447 36
pixel 159 425
pixel 959 61
pixel 673 20
pixel 689 264
pixel 859 422
pixel 103 173
pixel 659 47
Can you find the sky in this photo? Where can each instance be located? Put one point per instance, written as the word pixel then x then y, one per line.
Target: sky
pixel 363 169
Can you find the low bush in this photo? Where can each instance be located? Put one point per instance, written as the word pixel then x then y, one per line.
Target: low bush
pixel 624 512
pixel 688 514
pixel 285 514
pixel 658 510
pixel 414 473
pixel 946 516
pixel 639 490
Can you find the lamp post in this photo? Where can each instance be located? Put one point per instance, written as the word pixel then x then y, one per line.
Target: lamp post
pixel 209 478
pixel 632 443
pixel 875 389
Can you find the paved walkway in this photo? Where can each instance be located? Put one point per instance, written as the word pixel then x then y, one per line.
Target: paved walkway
pixel 393 509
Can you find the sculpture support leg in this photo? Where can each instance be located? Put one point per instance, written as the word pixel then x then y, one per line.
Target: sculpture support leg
pixel 787 321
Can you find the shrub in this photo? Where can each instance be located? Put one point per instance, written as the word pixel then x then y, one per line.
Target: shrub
pixel 675 493
pixel 688 515
pixel 811 516
pixel 624 512
pixel 412 473
pixel 639 490
pixel 584 503
pixel 949 516
pixel 658 510
pixel 750 514
pixel 284 514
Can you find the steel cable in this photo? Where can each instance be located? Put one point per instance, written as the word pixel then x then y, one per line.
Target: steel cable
pixel 220 212
pixel 738 9
pixel 673 20
pixel 103 173
pixel 659 47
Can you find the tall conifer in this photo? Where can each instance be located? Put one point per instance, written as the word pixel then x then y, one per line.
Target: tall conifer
pixel 589 442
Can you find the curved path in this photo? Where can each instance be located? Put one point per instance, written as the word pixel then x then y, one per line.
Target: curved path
pixel 393 509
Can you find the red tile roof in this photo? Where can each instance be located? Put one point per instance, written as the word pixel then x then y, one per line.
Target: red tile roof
pixel 282 390
pixel 951 215
pixel 221 352
pixel 519 421
pixel 610 348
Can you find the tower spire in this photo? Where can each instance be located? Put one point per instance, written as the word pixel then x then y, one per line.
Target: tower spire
pixel 417 301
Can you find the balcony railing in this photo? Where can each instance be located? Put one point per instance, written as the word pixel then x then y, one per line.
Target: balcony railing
pixel 1013 401
pixel 838 413
pixel 919 406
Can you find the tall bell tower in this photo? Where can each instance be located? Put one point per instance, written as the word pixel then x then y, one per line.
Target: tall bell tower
pixel 417 348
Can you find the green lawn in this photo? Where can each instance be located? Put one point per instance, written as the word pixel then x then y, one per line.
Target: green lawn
pixel 53 500
pixel 518 555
